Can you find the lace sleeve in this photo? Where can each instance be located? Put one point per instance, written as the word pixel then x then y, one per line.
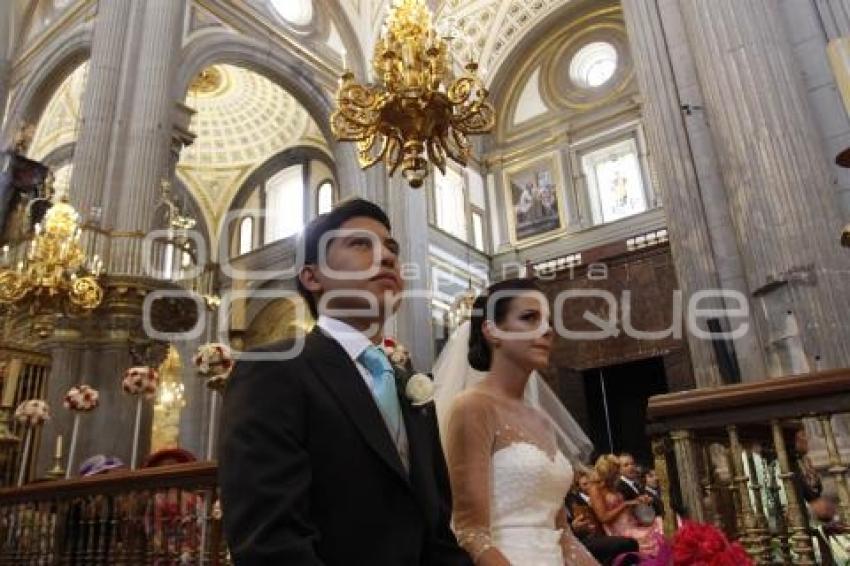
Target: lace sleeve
pixel 469 448
pixel 575 554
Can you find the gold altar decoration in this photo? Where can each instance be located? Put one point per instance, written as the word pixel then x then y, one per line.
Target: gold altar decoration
pixel 54 276
pixel 416 105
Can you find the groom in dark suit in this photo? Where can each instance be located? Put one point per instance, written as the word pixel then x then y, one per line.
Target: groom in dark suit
pixel 324 460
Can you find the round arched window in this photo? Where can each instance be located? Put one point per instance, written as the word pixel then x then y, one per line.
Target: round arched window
pixel 594 64
pixel 294 12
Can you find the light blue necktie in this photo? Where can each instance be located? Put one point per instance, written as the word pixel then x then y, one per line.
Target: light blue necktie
pixel 383 388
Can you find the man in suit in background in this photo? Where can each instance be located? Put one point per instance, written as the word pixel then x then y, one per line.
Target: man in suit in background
pixel 324 461
pixel 629 483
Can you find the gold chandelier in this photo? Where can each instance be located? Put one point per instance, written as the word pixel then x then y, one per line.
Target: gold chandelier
pixel 417 105
pixel 51 276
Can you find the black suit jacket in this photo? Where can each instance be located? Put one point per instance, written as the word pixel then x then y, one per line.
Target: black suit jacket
pixel 627 491
pixel 309 474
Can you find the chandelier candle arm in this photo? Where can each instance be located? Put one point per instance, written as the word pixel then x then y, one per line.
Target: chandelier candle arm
pixel 417 106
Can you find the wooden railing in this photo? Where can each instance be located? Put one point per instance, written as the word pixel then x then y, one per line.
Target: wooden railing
pixel 726 452
pixel 166 515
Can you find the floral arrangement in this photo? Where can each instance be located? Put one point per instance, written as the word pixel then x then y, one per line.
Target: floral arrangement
pixel 696 544
pixel 33 412
pixel 82 398
pixel 396 352
pixel 141 380
pixel 213 359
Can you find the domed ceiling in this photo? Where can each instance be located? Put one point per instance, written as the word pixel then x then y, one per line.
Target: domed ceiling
pixel 488 28
pixel 242 119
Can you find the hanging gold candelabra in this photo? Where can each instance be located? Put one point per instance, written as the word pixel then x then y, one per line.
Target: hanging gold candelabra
pixel 52 276
pixel 417 104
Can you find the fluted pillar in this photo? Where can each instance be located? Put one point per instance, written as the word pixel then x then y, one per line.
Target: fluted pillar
pixel 781 200
pixel 5 53
pixel 148 139
pixel 66 353
pixel 835 16
pixel 705 254
pixel 97 135
pixel 407 210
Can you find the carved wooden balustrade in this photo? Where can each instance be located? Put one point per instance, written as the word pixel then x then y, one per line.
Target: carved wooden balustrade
pixel 728 452
pixel 165 515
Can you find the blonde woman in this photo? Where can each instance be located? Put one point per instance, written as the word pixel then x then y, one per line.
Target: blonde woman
pixel 615 513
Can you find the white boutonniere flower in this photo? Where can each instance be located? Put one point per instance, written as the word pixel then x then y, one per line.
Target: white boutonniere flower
pixel 419 389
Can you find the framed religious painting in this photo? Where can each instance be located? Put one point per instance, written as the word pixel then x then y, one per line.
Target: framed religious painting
pixel 534 194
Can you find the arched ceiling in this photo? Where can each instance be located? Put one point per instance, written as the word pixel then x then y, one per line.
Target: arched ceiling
pixel 492 28
pixel 242 119
pixel 58 124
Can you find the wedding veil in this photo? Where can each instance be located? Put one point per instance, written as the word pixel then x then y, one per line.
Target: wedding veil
pixel 453 374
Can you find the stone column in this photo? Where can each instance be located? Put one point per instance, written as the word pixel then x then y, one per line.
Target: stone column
pixel 701 247
pixel 407 210
pixel 95 144
pixel 65 351
pixel 5 54
pixel 835 15
pixel 782 204
pixel 148 135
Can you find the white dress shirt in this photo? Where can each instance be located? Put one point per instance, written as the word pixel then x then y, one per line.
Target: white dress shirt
pixel 631 483
pixel 352 341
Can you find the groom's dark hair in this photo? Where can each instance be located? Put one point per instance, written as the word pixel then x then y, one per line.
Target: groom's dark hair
pixel 344 211
pixel 494 302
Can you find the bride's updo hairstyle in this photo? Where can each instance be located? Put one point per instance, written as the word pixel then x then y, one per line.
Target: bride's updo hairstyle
pixel 480 354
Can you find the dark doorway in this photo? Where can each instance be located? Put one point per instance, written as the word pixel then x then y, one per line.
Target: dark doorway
pixel 616 405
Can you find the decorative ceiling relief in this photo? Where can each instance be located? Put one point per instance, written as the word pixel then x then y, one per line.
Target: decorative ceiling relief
pixel 58 124
pixel 201 19
pixel 242 119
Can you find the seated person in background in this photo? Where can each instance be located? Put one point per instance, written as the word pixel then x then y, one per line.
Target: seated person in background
pixel 616 513
pixel 587 527
pixel 831 540
pixel 652 488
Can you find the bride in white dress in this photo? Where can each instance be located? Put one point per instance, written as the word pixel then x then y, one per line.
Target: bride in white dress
pixel 509 477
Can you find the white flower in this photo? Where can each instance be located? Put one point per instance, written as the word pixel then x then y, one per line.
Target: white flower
pixel 419 389
pixel 32 412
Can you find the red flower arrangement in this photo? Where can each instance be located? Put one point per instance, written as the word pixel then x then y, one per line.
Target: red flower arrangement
pixel 697 544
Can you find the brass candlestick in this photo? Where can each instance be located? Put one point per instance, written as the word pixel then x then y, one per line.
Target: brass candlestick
pixel 57 471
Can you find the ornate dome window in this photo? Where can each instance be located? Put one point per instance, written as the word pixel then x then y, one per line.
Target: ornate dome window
pixel 594 64
pixel 298 13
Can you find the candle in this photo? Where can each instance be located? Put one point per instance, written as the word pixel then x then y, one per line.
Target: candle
pixel 344 55
pixel 58 453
